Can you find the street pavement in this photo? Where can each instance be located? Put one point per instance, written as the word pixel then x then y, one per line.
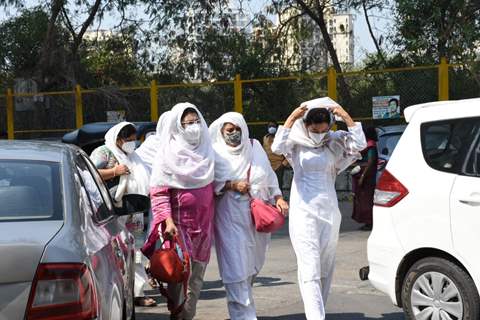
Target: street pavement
pixel 276 292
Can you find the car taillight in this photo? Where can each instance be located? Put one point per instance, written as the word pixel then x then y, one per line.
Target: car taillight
pixel 62 291
pixel 389 190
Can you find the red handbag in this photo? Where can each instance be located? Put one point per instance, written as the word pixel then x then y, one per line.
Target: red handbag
pixel 266 217
pixel 170 264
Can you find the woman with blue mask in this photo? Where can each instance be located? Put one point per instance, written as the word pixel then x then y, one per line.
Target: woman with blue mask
pixel 278 162
pixel 240 248
pixel 317 155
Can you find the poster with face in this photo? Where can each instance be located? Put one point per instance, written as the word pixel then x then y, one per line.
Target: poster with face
pixel 386 107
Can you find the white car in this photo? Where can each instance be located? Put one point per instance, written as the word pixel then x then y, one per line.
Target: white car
pixel 424 250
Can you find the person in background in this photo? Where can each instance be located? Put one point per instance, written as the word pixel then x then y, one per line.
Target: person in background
pixel 124 173
pixel 278 162
pixel 317 155
pixel 240 248
pixel 364 182
pixel 183 200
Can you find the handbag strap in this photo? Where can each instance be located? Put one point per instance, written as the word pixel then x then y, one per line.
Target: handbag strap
pixel 250 169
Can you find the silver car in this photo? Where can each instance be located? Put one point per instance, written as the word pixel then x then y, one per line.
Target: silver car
pixel 65 252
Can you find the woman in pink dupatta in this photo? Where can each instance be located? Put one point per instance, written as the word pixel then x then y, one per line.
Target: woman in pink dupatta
pixel 182 198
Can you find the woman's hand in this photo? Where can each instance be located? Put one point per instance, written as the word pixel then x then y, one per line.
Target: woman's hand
pixel 120 170
pixel 241 186
pixel 282 205
pixel 171 230
pixel 298 113
pixel 340 112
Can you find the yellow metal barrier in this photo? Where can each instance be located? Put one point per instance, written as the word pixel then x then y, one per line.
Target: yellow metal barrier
pixel 237 83
pixel 332 83
pixel 238 106
pixel 153 101
pixel 443 80
pixel 78 107
pixel 10 113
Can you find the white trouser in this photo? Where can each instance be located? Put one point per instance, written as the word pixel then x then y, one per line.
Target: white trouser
pixel 314 242
pixel 240 300
pixel 195 283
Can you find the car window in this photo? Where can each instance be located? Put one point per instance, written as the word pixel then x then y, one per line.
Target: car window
pixel 30 190
pixel 447 145
pixel 472 166
pixel 388 142
pixel 101 211
pixel 100 183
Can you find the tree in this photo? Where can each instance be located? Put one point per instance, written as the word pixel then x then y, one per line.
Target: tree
pixel 430 29
pixel 316 10
pixel 22 39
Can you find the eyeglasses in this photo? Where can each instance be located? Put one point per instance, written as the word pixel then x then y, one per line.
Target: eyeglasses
pixel 188 123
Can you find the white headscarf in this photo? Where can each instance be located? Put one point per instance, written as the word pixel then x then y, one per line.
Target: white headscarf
pixel 149 148
pixel 137 182
pixel 178 164
pixel 231 163
pixel 299 133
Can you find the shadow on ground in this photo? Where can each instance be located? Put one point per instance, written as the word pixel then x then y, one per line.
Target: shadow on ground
pixel 338 316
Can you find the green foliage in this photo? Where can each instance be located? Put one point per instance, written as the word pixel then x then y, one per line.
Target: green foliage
pixel 430 29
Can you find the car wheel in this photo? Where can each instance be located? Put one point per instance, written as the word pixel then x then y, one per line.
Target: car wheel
pixel 438 289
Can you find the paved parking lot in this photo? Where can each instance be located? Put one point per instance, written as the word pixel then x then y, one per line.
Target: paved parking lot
pixel 276 292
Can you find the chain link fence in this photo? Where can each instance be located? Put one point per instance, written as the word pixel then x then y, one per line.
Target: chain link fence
pixel 464 81
pixel 414 86
pixel 274 100
pixel 213 100
pixel 47 115
pixel 108 104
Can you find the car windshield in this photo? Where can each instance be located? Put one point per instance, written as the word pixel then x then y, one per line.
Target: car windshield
pixel 388 142
pixel 30 191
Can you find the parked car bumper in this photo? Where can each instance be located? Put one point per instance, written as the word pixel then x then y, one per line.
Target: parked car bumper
pixel 384 254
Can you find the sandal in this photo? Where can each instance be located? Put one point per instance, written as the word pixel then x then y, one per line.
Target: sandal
pixel 145 302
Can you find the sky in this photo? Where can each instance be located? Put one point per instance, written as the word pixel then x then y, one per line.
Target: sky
pixel 363 41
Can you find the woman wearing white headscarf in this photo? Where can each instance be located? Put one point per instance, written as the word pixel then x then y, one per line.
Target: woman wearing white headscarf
pixel 240 248
pixel 149 148
pixel 182 198
pixel 125 173
pixel 317 156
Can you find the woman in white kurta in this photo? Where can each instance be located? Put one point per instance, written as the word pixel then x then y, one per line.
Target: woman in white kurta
pixel 317 156
pixel 240 248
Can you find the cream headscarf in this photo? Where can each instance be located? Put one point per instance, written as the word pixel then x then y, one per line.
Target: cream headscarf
pixel 231 163
pixel 178 164
pixel 137 182
pixel 149 148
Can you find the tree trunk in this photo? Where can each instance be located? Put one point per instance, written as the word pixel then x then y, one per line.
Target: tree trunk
pixel 46 65
pixel 367 19
pixel 319 19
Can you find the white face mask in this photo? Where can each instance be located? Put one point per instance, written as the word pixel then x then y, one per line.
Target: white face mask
pixel 272 130
pixel 317 138
pixel 192 133
pixel 129 146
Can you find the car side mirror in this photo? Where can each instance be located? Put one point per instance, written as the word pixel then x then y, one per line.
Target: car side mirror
pixel 133 204
pixel 385 151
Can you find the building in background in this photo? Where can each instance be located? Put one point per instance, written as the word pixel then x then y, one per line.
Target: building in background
pixel 305 48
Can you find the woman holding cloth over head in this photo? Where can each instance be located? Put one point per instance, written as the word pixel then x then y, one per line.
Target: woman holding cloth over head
pixel 317 156
pixel 182 199
pixel 240 248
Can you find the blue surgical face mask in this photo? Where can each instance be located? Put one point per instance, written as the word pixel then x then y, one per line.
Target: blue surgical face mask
pixel 272 130
pixel 233 138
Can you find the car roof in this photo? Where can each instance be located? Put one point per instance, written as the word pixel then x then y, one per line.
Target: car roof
pixel 33 150
pixel 443 109
pixel 94 132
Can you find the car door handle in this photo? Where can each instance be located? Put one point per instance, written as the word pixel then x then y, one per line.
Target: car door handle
pixel 473 201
